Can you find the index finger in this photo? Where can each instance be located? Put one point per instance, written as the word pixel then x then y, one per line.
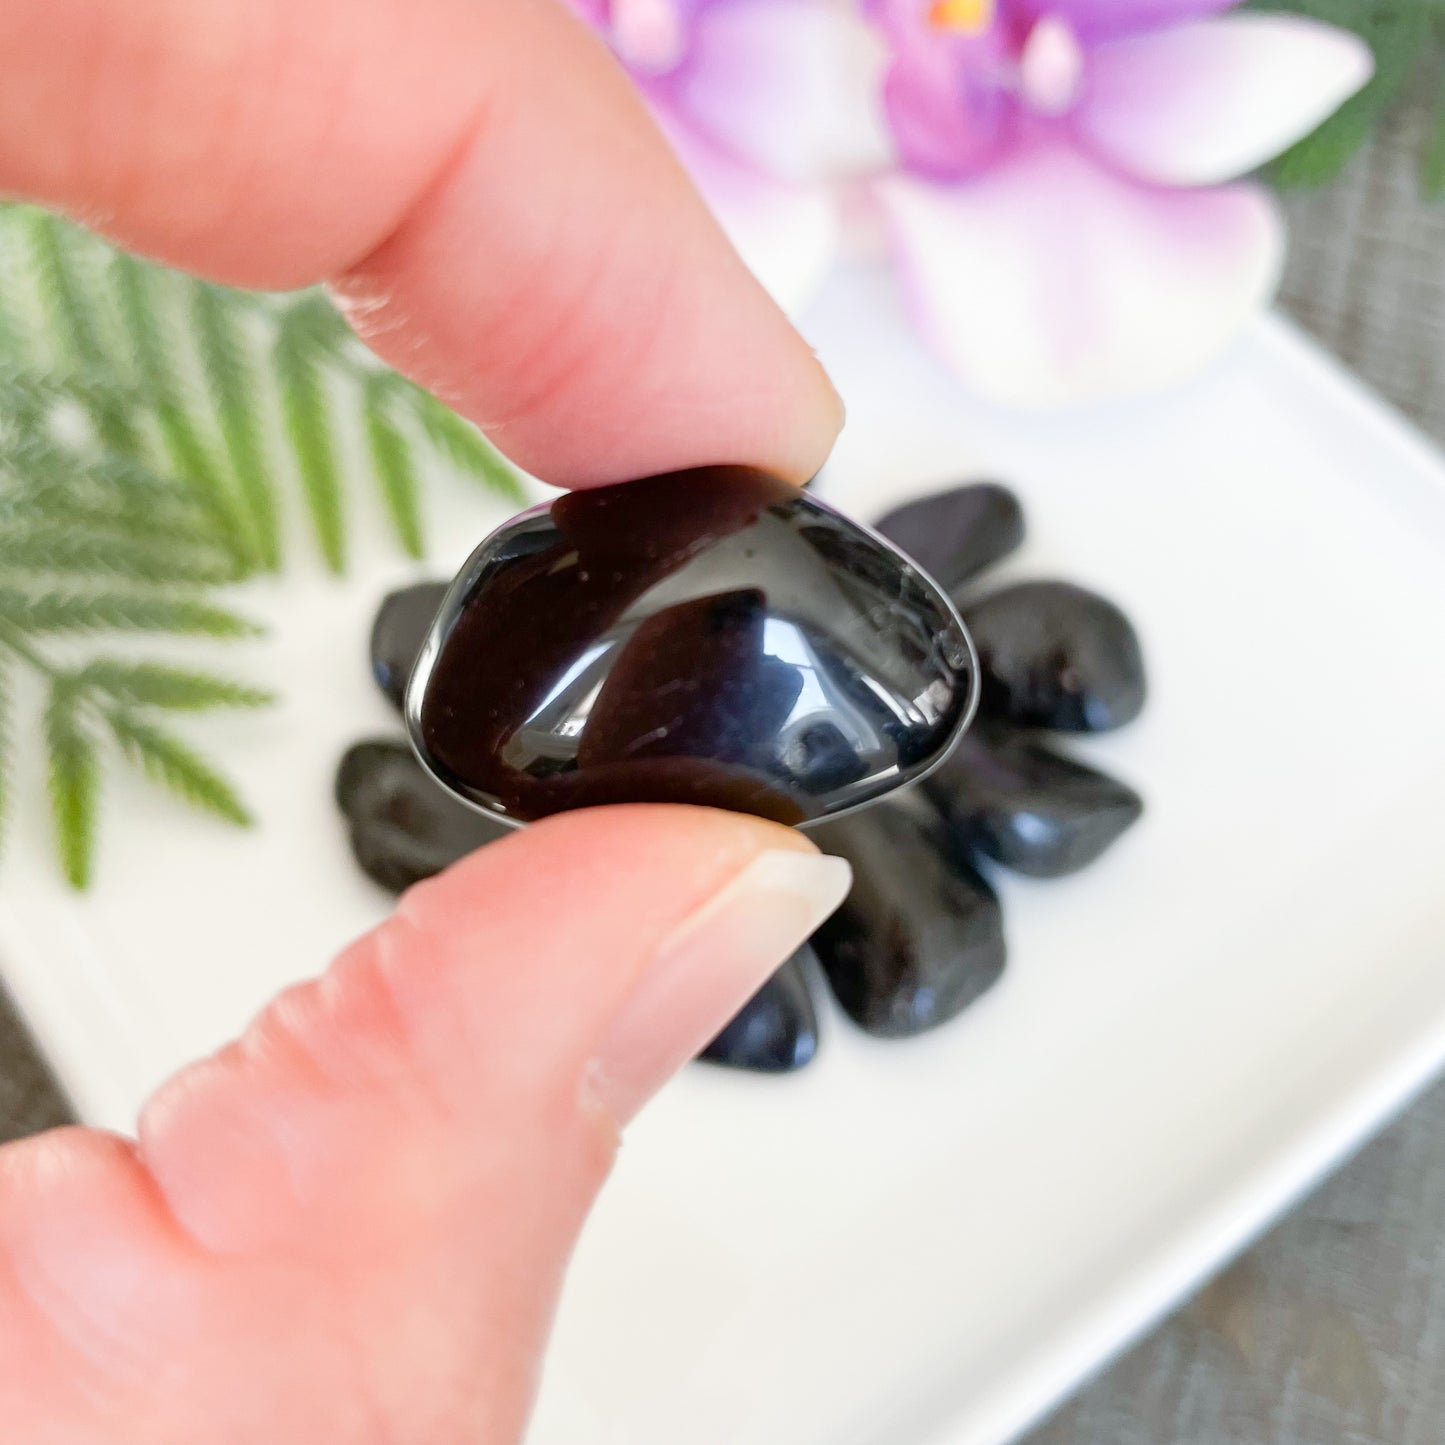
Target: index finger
pixel 476 178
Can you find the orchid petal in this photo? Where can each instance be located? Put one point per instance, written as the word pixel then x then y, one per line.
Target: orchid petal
pixel 787 233
pixel 1053 280
pixel 948 97
pixel 1207 102
pixel 789 85
pixel 1105 19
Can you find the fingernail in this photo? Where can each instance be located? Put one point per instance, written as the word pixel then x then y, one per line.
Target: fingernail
pixel 708 967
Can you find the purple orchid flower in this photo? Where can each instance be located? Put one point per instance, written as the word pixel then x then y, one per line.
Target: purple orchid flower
pixel 1060 216
pixel 1058 180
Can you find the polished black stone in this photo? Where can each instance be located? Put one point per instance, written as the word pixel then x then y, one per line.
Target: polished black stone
pixel 714 636
pixel 955 534
pixel 776 1031
pixel 1010 797
pixel 1055 655
pixel 402 623
pixel 920 935
pixel 404 826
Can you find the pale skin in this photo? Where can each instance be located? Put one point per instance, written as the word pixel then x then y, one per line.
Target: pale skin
pixel 351 1225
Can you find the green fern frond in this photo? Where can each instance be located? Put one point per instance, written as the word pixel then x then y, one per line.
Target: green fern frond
pixel 66 292
pixel 34 458
pixel 74 776
pixel 306 411
pixel 234 386
pixel 463 445
pixel 58 610
pixel 62 293
pixel 166 760
pixel 140 413
pixel 138 496
pixel 77 506
pixel 153 684
pixel 135 286
pixel 67 547
pixel 392 459
pixel 310 315
pixel 25 399
pixel 12 329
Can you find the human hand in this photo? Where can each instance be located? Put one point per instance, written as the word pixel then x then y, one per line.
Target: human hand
pixel 351 1225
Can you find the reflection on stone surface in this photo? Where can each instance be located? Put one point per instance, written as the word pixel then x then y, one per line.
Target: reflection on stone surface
pixel 402 623
pixel 715 637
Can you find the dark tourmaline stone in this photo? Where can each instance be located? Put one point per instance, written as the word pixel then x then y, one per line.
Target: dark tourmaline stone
pixel 956 534
pixel 1055 655
pixel 404 826
pixel 920 936
pixel 776 1031
pixel 1023 804
pixel 402 623
pixel 714 636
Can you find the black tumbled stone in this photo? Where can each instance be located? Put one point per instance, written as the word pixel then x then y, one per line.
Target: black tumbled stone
pixel 920 935
pixel 402 622
pixel 1026 806
pixel 404 825
pixel 956 534
pixel 776 1031
pixel 1055 655
pixel 715 636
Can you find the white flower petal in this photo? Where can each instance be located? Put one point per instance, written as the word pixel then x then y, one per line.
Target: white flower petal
pixel 1053 281
pixel 786 232
pixel 794 86
pixel 1208 101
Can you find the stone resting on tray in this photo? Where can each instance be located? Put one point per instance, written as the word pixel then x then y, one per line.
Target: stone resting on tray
pixel 831 654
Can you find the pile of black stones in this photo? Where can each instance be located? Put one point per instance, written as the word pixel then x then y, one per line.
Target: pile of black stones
pixel 920 937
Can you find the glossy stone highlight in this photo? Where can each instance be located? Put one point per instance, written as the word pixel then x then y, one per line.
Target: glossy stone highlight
pixel 776 1031
pixel 1028 807
pixel 954 535
pixel 714 637
pixel 402 623
pixel 1057 656
pixel 404 827
pixel 920 936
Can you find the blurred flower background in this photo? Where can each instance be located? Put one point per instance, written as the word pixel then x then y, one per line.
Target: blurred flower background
pixel 1061 185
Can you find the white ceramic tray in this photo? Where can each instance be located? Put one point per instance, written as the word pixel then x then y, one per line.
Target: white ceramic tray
pixel 931 1241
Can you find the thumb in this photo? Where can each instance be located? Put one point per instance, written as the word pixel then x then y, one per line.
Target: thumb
pixel 352 1223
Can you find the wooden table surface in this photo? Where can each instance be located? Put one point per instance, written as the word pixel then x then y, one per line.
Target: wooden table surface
pixel 1330 1330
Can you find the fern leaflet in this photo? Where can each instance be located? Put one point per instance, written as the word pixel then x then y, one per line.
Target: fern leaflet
pixel 166 760
pixel 230 375
pixel 307 414
pixel 74 781
pixel 135 290
pixel 153 684
pixel 58 610
pixel 464 446
pixel 391 457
